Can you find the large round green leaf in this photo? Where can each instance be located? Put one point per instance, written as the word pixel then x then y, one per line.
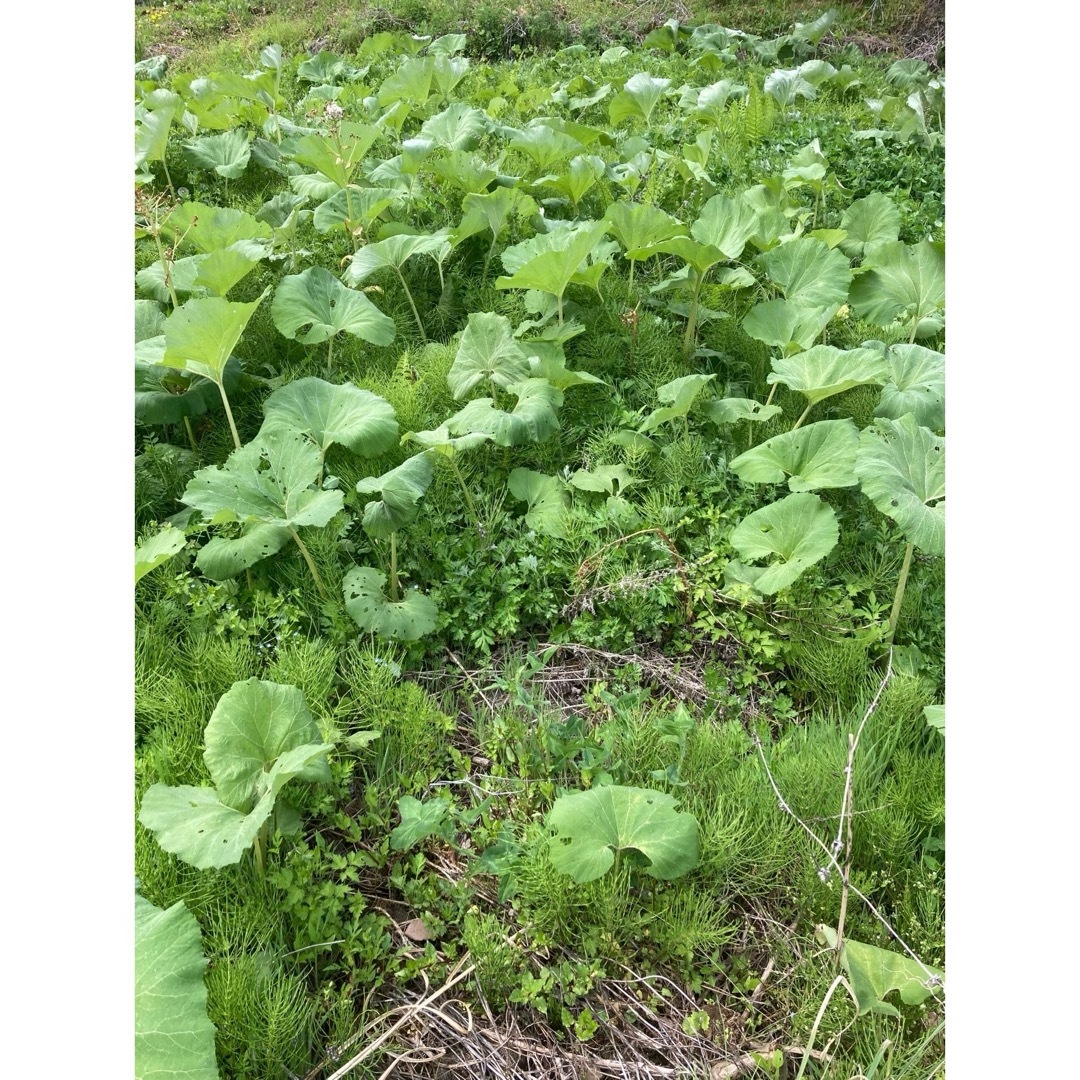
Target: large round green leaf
pixel 253 724
pixel 820 455
pixel 157 550
pixel 592 827
pixel 224 557
pixel 268 481
pixel 725 224
pixel 904 283
pixel 227 154
pixel 638 98
pixel 488 350
pixel 869 222
pixel 809 272
pixel 916 385
pixel 393 252
pixel 547 499
pixel 901 467
pixel 317 299
pixel 366 601
pixel 201 334
pixel 401 490
pixel 174 1038
pixel 676 398
pixel 194 824
pixel 786 325
pixel 532 419
pixel 328 414
pixel 458 127
pixel 824 370
pixel 800 530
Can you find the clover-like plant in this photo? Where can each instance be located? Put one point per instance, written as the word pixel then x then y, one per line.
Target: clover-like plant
pixel 268 487
pixel 596 830
pixel 260 736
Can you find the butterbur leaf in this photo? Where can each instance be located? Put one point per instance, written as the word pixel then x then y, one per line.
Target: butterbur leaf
pixel 800 530
pixel 221 558
pixel 875 973
pixel 725 224
pixel 610 479
pixel 732 410
pixel 336 158
pixel 809 273
pixel 317 300
pixel 786 86
pixel 328 414
pixel 407 619
pixel 904 282
pixel 221 270
pixel 935 717
pixel 550 262
pixel 547 499
pixel 640 225
pixel 266 485
pixel 901 467
pixel 544 145
pixel 157 550
pixel 532 420
pixel 916 385
pixel 195 825
pixel 401 490
pixel 174 1037
pixel 215 228
pixel 676 397
pixel 394 252
pixel 254 723
pixel 269 480
pixel 201 334
pixel 352 207
pixel 590 828
pixel 488 351
pixel 824 370
pixel 227 154
pixel 869 222
pixel 457 127
pixel 440 441
pixel 419 820
pixel 787 326
pixel 492 211
pixel 820 455
pixel 637 99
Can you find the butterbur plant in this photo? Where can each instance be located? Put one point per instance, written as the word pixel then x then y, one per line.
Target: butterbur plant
pixel 260 736
pixel 594 831
pixel 267 487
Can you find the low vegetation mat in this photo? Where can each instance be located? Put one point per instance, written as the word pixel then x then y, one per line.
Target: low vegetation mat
pixel 539 572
